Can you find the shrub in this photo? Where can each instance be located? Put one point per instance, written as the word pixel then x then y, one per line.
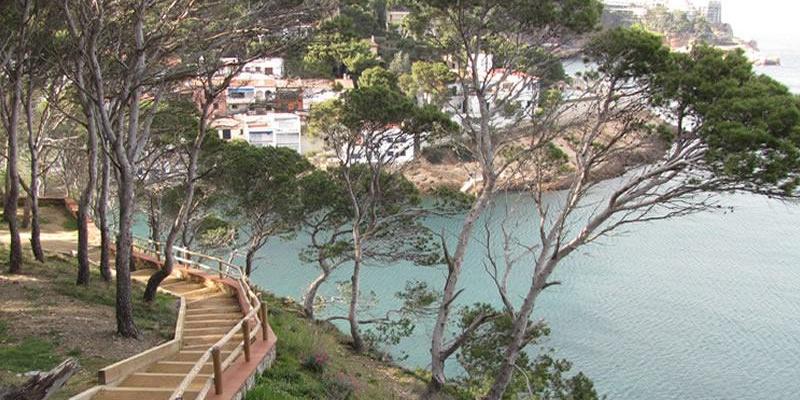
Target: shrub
pixel 340 387
pixel 434 154
pixel 441 153
pixel 316 362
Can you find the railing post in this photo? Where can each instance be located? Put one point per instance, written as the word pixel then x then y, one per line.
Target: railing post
pixel 215 356
pixel 246 333
pixel 158 251
pixel 263 313
pixel 220 269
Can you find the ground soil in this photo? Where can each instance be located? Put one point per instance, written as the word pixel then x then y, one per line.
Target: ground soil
pixel 31 306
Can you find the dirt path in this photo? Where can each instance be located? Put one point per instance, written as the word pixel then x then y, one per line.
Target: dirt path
pixel 43 305
pixel 59 232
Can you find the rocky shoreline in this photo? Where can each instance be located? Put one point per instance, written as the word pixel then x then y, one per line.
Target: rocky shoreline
pixel 453 174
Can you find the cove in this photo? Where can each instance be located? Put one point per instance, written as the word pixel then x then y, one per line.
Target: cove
pixel 701 307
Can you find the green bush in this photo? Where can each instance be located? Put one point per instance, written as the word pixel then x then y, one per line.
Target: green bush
pixel 434 154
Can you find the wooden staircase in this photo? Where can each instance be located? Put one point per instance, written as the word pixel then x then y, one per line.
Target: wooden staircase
pixel 212 333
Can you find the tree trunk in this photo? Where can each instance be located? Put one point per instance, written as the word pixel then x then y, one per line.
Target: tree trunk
pixel 124 304
pixel 12 175
pixel 36 230
pixel 311 294
pixel 102 219
pixel 352 315
pixel 42 385
pixel 33 197
pixel 31 217
pixel 520 327
pixel 154 218
pixel 169 258
pixel 249 259
pixel 26 212
pixel 85 202
pixel 438 356
pixel 180 220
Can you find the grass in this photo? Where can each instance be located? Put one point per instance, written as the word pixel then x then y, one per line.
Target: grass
pixel 337 374
pixel 30 354
pixel 43 350
pixel 70 224
pixel 157 316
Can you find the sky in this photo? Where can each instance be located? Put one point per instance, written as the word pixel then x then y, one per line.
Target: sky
pixel 764 20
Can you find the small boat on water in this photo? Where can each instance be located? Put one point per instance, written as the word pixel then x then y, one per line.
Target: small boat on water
pixel 769 61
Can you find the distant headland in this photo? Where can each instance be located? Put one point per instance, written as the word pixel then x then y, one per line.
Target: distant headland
pixel 683 27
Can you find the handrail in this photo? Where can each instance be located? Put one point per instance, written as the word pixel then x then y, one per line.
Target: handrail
pixel 193 259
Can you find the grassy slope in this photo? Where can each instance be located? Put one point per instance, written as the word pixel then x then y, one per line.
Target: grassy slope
pixel 44 350
pixel 340 373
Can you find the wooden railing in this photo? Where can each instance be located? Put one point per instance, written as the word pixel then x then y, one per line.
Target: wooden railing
pixel 257 313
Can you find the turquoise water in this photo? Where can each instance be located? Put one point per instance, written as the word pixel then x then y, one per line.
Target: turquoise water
pixel 699 308
pixel 704 307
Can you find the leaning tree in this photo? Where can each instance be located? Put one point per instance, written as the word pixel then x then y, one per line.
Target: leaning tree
pixel 500 53
pixel 371 130
pixel 248 31
pixel 124 96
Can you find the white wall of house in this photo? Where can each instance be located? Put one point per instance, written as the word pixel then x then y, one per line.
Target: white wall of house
pixel 397 149
pixel 271 129
pixel 316 96
pixel 505 87
pixel 259 68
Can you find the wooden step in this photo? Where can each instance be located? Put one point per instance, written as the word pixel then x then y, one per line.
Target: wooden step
pixel 192 355
pixel 206 340
pixel 232 344
pixel 143 272
pixel 214 310
pixel 215 301
pixel 181 288
pixel 207 330
pixel 179 367
pixel 203 293
pixel 183 284
pixel 212 323
pixel 170 280
pixel 161 380
pixel 127 393
pixel 233 317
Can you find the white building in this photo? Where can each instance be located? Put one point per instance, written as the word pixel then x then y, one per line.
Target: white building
pixel 511 95
pixel 395 16
pixel 392 147
pixel 260 68
pixel 271 129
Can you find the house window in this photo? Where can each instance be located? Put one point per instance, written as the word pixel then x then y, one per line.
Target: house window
pixel 226 134
pixel 268 70
pixel 258 69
